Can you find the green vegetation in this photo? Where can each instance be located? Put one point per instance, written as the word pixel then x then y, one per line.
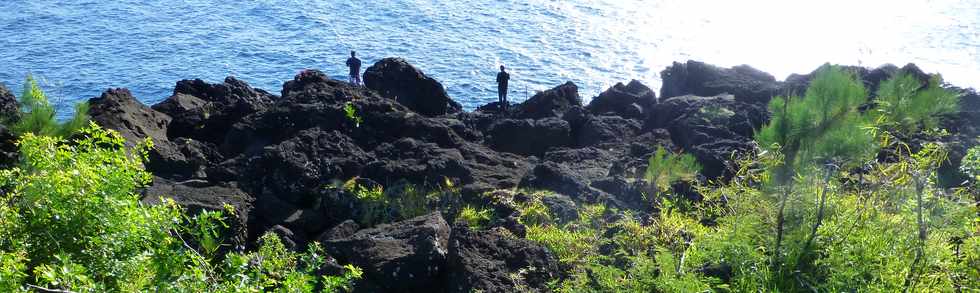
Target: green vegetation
pixel 906 105
pixel 70 219
pixel 812 210
pixel 38 116
pixel 971 164
pixel 376 204
pixel 822 126
pixel 798 215
pixel 665 168
pixel 351 113
pixel 475 218
pixel 869 239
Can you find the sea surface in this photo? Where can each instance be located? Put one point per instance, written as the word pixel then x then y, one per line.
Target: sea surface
pixel 78 48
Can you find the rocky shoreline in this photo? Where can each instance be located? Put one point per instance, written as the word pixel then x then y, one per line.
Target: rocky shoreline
pixel 277 159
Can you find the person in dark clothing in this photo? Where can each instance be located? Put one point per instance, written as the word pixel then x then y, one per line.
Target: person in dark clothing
pixel 502 78
pixel 355 69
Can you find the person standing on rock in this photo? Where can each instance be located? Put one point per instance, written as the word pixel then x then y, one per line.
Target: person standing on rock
pixel 502 78
pixel 355 69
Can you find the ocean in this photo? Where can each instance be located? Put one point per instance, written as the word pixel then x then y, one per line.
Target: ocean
pixel 79 48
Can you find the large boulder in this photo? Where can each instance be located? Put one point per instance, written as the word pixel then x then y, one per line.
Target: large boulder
pixel 416 161
pixel 633 100
pixel 710 128
pixel 487 261
pixel 528 136
pixel 696 78
pixel 199 195
pixel 207 111
pixel 492 169
pixel 606 129
pixel 561 179
pixel 550 103
pixel 295 169
pixel 312 100
pixel 406 256
pixel 9 108
pixel 183 158
pixel 118 110
pixel 395 78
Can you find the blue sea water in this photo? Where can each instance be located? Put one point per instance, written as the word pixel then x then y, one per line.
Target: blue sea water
pixel 81 47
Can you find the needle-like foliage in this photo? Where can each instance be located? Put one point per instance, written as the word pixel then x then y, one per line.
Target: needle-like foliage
pixel 823 125
pixel 38 115
pixel 906 104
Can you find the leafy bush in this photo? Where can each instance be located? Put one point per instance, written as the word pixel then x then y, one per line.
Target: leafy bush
pixel 868 241
pixel 39 115
pixel 376 204
pixel 475 218
pixel 885 227
pixel 351 113
pixel 906 105
pixel 970 165
pixel 666 168
pixel 71 219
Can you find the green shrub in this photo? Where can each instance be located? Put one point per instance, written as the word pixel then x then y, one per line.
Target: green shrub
pixel 71 219
pixel 373 205
pixel 888 228
pixel 534 212
pixel 824 125
pixel 906 105
pixel 38 116
pixel 970 165
pixel 665 168
pixel 475 218
pixel 401 201
pixel 351 113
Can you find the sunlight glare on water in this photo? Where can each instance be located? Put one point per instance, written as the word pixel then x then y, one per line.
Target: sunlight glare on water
pixel 83 47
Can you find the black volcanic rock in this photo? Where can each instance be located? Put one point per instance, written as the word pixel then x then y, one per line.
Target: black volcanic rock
pixel 710 128
pixel 294 169
pixel 200 195
pixel 118 110
pixel 634 100
pixel 406 256
pixel 417 161
pixel 550 103
pixel 529 137
pixel 797 83
pixel 484 261
pixel 396 79
pixel 559 178
pixel 965 129
pixel 343 230
pixel 181 158
pixel 696 78
pixel 606 129
pixel 9 152
pixel 206 111
pixel 9 107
